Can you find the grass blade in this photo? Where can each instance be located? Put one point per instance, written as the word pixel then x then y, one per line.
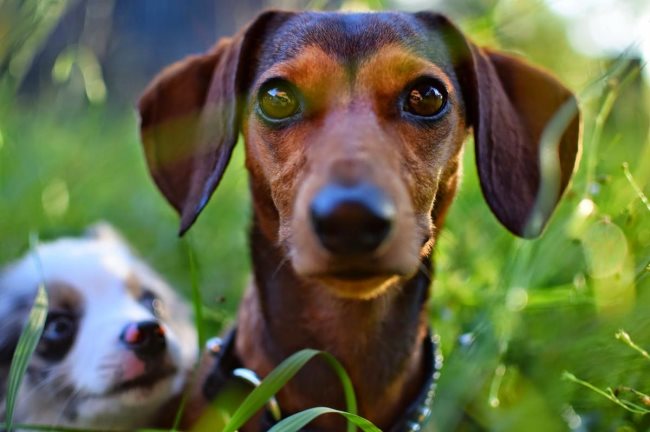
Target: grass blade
pixel 27 342
pixel 550 175
pixel 197 305
pixel 280 376
pixel 26 345
pixel 50 428
pixel 301 419
pixel 609 394
pixel 197 300
pixel 635 186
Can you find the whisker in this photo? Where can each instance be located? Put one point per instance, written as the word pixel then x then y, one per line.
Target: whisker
pixel 71 398
pixel 108 366
pixel 53 382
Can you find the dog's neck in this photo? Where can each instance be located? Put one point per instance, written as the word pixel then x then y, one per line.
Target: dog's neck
pixel 378 341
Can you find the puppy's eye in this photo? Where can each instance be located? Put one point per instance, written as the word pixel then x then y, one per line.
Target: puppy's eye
pixel 58 335
pixel 426 98
pixel 149 300
pixel 278 100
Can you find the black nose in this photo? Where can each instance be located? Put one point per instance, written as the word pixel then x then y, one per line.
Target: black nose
pixel 352 219
pixel 145 338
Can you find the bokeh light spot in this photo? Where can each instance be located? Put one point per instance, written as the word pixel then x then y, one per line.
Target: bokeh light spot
pixel 605 248
pixel 55 198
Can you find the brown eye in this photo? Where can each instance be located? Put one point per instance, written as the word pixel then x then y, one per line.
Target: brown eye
pixel 277 100
pixel 426 99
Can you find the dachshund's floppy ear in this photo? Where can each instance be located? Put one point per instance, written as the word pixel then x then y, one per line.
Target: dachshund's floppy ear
pixel 526 130
pixel 190 115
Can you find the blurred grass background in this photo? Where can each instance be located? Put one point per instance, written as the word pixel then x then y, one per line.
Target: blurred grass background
pixel 512 314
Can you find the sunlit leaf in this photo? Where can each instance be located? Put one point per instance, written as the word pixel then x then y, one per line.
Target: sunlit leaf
pixel 280 376
pixel 297 421
pixel 26 345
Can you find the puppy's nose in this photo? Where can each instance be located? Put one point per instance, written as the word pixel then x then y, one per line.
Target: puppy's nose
pixel 352 219
pixel 146 338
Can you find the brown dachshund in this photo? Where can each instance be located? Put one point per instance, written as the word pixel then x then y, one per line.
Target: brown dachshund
pixel 353 127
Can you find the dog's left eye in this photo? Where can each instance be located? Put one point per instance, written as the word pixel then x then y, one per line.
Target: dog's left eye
pixel 426 98
pixel 278 100
pixel 58 335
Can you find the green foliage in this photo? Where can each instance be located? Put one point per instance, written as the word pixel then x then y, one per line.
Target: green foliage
pixel 614 395
pixel 280 376
pixel 23 25
pixel 26 345
pixel 297 421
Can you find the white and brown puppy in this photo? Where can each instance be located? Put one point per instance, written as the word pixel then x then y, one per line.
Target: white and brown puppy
pixel 117 343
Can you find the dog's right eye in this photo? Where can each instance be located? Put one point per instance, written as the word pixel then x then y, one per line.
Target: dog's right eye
pixel 426 98
pixel 278 100
pixel 58 335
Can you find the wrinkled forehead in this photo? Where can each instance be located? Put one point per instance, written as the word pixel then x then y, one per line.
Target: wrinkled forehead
pixel 351 39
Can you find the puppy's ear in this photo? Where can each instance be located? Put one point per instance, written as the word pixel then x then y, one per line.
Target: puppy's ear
pixel 190 117
pixel 105 232
pixel 526 130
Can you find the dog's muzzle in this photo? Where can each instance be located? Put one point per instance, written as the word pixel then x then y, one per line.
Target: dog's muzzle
pixel 352 219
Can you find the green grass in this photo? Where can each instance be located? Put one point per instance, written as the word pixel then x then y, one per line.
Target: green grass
pixel 534 309
pixel 280 376
pixel 27 343
pixel 516 317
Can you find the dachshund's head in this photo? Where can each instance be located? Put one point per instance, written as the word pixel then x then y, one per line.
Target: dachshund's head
pixel 353 127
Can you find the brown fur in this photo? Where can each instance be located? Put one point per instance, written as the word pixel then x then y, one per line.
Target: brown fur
pixel 352 70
